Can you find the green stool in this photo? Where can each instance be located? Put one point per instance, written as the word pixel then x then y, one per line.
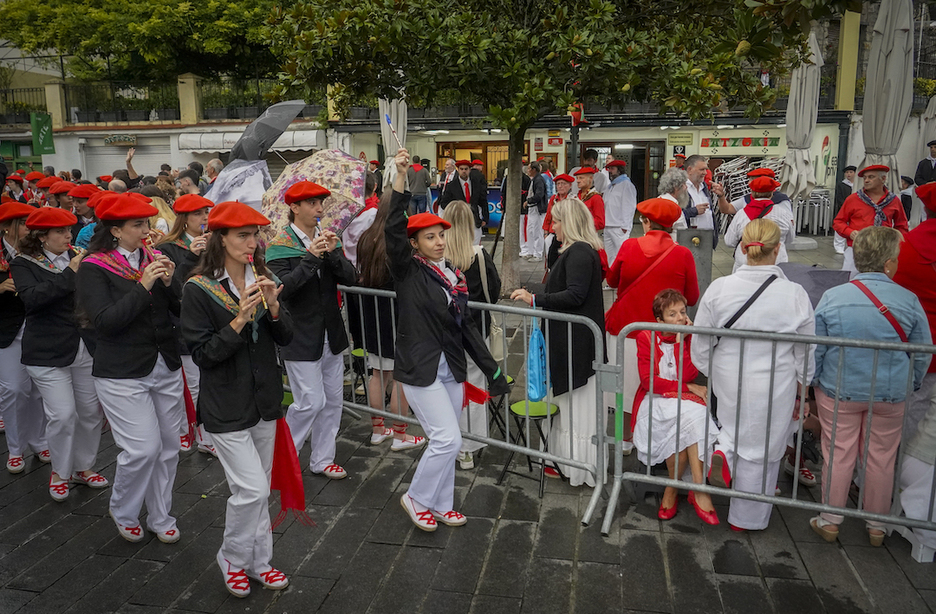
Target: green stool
pixel 538 411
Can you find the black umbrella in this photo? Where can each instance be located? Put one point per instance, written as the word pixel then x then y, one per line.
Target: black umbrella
pixel 260 135
pixel 814 279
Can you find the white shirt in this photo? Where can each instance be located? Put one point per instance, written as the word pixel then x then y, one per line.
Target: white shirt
pixel 680 223
pixel 600 181
pixel 9 247
pixel 781 213
pixel 463 183
pixel 60 262
pixel 132 257
pixel 850 184
pixel 190 237
pixel 248 279
pixel 449 274
pixel 301 236
pixel 703 220
pixel 620 201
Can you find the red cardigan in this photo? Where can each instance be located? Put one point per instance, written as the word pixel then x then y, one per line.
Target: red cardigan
pixel 916 270
pixel 856 215
pixel 661 386
pixel 595 204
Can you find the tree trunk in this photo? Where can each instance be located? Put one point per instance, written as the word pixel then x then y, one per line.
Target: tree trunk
pixel 510 265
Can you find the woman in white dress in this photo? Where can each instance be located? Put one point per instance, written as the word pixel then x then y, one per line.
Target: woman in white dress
pixel 662 423
pixel 758 298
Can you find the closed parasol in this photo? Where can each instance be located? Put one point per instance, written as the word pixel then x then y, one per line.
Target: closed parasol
pixel 799 177
pixel 343 175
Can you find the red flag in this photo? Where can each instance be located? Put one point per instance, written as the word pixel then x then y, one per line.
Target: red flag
pixel 189 406
pixel 287 477
pixel 473 394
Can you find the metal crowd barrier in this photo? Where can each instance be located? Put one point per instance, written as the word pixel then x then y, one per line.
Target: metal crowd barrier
pixel 518 320
pixel 612 381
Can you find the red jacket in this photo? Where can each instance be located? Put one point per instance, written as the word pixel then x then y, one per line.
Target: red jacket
pixel 661 386
pixel 677 271
pixel 856 215
pixel 595 204
pixel 916 272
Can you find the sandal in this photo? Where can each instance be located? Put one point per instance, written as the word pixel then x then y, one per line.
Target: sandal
pixel 823 528
pixel 876 539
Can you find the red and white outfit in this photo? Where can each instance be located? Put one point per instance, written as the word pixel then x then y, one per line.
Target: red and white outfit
pixel 855 214
pixel 779 213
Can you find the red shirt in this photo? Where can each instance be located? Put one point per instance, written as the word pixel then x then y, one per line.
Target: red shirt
pixel 916 272
pixel 595 204
pixel 855 214
pixel 677 271
pixel 661 386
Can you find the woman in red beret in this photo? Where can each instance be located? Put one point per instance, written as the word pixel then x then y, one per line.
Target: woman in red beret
pixel 232 322
pixel 14 188
pixel 57 351
pixel 184 243
pixel 128 294
pixel 433 335
pixel 20 403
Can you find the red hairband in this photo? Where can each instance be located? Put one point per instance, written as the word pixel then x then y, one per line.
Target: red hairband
pixel 754 243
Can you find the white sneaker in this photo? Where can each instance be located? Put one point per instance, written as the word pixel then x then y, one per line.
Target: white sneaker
pixel 407 444
pixel 806 477
pixel 207 449
pixel 333 472
pixel 465 460
pixel 421 516
pixel 451 518
pixel 131 534
pixel 627 447
pixel 535 259
pixel 272 579
pixel 94 480
pixel 235 580
pixel 185 444
pixel 15 464
pixel 378 438
pixel 168 537
pixel 58 490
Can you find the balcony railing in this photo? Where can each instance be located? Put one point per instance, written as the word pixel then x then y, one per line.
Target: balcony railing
pixel 121 102
pixel 236 98
pixel 17 104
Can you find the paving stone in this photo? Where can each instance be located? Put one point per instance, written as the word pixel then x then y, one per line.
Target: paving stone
pixel 407 583
pixel 169 582
pixel 75 584
pixel 208 479
pixel 133 608
pixel 639 516
pixel 558 528
pixel 339 544
pixel 361 580
pixel 597 588
pixel 382 484
pixel 743 594
pixel 791 595
pixel 522 503
pixel 12 600
pixel 484 499
pixel 549 586
pixel 775 550
pixel 506 568
pixel 297 541
pixel 835 582
pixel 489 604
pixel 31 552
pixel 921 575
pixel 643 573
pixel 304 594
pixel 339 492
pixel 595 547
pixel 449 603
pixel 884 580
pixel 204 590
pixel 732 553
pixel 392 526
pixel 113 591
pixel 463 558
pixel 691 575
pixel 930 598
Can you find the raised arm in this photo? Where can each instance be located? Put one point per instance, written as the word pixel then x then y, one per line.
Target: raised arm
pixel 399 250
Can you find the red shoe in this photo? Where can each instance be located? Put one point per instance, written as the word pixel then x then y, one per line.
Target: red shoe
pixel 667 513
pixel 738 529
pixel 707 517
pixel 719 474
pixel 552 473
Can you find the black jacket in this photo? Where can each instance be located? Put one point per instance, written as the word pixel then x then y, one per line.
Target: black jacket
pixel 476 290
pixel 536 197
pixel 12 311
pixel 478 204
pixel 132 325
pixel 185 261
pixel 427 324
pixel 241 382
pixel 312 299
pixel 573 286
pixel 925 172
pixel 52 332
pixel 842 191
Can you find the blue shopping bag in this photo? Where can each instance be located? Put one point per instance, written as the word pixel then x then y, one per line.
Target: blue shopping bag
pixel 537 369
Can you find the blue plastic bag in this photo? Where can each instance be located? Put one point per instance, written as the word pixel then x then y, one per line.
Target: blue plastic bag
pixel 537 369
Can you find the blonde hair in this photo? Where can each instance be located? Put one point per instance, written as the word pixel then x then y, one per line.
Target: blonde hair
pixel 577 224
pixel 874 246
pixel 459 239
pixel 763 231
pixel 165 212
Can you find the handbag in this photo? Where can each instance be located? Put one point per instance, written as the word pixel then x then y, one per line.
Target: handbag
pixel 537 369
pixel 496 333
pixel 618 307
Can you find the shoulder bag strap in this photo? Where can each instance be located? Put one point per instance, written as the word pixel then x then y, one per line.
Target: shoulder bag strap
pixel 649 269
pixel 750 301
pixel 883 309
pixel 764 212
pixel 479 253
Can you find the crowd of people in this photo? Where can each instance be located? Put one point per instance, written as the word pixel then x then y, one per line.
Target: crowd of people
pixel 139 303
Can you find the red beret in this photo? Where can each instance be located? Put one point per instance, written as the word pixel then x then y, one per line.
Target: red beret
pixel 477 162
pixel 232 214
pixel 565 177
pixel 304 190
pixel 84 190
pixel 34 176
pixel 586 170
pixel 874 167
pixel 20 171
pixel 47 182
pixel 762 172
pixel 374 162
pixel 62 187
pixel 106 178
pixel 620 163
pixel 763 184
pixel 424 220
pixel 927 193
pixel 663 211
pixel 190 203
pixel 45 218
pixel 125 207
pixel 683 156
pixel 100 198
pixel 14 210
pixel 16 178
pixel 463 163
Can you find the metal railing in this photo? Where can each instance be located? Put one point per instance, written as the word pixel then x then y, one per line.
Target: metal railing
pixel 121 102
pixel 236 98
pixel 17 104
pixel 613 379
pixel 363 322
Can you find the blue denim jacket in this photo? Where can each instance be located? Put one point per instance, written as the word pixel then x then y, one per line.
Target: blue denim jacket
pixel 844 311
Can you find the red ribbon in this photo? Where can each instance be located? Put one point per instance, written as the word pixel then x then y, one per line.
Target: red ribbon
pixel 287 477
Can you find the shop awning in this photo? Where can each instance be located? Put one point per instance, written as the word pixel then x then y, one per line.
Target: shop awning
pixel 205 142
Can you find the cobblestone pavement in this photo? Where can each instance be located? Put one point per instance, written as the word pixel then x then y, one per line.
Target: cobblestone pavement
pixel 518 553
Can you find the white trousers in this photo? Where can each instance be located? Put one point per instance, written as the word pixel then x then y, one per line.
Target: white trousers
pixel 193 379
pixel 318 392
pixel 748 477
pixel 146 415
pixel 839 243
pixel 20 403
pixel 74 414
pixel 474 418
pixel 849 263
pixel 916 484
pixel 918 404
pixel 524 236
pixel 437 406
pixel 247 458
pixel 614 238
pixel 534 227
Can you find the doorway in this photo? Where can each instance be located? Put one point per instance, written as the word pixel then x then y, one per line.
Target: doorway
pixel 645 162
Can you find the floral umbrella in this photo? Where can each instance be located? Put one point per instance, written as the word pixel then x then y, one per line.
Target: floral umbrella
pixel 335 170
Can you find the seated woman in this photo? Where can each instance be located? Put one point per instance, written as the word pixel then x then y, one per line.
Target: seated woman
pixel 657 440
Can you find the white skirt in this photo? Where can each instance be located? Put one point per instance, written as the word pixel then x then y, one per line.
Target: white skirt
pixel 663 436
pixel 577 416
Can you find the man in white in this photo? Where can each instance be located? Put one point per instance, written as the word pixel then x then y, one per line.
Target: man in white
pixel 536 210
pixel 842 191
pixel 765 203
pixel 700 210
pixel 620 200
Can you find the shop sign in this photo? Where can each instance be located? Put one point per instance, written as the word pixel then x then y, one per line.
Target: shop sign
pixel 555 141
pixel 553 133
pixel 680 138
pixel 742 141
pixel 120 139
pixel 41 124
pixel 538 144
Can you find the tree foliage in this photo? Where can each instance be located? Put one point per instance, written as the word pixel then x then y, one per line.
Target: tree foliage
pixel 155 40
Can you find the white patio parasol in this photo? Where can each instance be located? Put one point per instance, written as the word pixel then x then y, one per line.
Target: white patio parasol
pixel 799 177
